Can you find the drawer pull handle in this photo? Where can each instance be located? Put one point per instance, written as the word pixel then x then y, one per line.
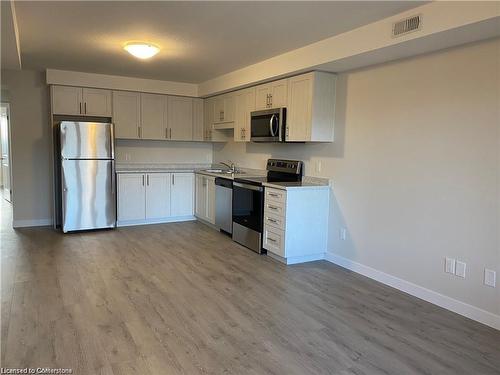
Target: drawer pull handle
pixel 271 220
pixel 273 208
pixel 271 239
pixel 274 195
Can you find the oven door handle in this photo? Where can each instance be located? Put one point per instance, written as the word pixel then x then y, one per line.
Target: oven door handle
pixel 247 186
pixel 271 127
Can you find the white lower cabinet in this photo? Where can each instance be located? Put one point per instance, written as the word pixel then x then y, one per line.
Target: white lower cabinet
pixel 131 197
pixel 296 223
pixel 154 197
pixel 182 194
pixel 205 198
pixel 158 190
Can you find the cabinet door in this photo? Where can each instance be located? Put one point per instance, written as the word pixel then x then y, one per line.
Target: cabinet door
pixel 97 102
pixel 210 199
pixel 131 196
pixel 157 195
pixel 219 109
pixel 67 100
pixel 201 197
pixel 153 116
pixel 279 93
pixel 180 118
pixel 182 194
pixel 229 107
pixel 261 97
pixel 299 111
pixel 211 134
pixel 245 104
pixel 126 114
pixel 208 118
pixel 198 126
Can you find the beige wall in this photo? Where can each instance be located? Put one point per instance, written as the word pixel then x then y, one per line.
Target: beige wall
pixel 163 152
pixel 31 145
pixel 415 167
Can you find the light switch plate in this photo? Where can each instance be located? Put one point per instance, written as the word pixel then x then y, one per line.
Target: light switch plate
pixel 343 234
pixel 490 277
pixel 449 265
pixel 460 269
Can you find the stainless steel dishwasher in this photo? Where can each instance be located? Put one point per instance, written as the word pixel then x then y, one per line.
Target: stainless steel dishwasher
pixel 224 204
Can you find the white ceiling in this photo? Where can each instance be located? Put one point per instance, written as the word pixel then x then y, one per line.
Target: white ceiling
pixel 199 40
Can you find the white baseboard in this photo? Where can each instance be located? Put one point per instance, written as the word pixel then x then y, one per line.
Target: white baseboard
pixel 31 223
pixel 160 221
pixel 462 308
pixel 297 259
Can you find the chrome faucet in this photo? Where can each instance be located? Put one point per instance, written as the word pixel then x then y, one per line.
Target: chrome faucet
pixel 232 166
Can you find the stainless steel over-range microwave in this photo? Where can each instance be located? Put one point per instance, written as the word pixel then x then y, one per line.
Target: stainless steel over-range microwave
pixel 268 125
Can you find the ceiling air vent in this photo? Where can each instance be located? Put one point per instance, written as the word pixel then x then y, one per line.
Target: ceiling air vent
pixel 406 26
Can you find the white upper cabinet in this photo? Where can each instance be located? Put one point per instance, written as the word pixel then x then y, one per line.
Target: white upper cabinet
pixel 126 114
pixel 271 95
pixel 97 102
pixel 245 104
pixel 66 100
pixel 311 108
pixel 153 117
pixel 224 108
pixel 198 125
pixel 211 134
pixel 157 196
pixel 182 194
pixel 279 93
pixel 180 118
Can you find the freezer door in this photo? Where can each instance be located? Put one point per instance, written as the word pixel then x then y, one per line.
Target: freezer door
pixel 86 140
pixel 88 194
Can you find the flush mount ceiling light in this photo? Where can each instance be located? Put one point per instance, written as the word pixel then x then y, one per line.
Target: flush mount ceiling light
pixel 141 50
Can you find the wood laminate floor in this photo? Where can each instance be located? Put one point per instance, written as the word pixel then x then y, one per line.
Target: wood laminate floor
pixel 183 299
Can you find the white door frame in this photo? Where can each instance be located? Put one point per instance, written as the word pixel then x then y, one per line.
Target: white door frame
pixel 7 106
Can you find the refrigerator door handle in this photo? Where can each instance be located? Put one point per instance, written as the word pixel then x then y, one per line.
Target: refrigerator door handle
pixel 113 177
pixel 112 140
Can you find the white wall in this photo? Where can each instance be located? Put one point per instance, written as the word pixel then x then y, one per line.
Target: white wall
pixel 31 146
pixel 416 168
pixel 133 151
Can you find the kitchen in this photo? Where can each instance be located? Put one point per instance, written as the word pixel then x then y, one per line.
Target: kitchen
pixel 263 212
pixel 158 194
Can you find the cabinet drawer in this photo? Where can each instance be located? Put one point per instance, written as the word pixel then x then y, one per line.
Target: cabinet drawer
pixel 274 240
pixel 277 208
pixel 275 195
pixel 273 220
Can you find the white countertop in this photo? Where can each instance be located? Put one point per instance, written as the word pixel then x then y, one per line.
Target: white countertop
pixel 306 183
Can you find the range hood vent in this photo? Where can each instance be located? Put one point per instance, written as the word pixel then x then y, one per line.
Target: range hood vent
pixel 408 25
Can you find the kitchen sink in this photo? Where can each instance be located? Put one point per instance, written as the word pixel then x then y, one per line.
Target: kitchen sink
pixel 223 171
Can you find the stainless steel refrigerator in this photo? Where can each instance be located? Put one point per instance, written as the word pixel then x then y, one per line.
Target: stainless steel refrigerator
pixel 85 176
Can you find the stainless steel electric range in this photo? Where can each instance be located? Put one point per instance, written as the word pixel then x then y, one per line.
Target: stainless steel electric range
pixel 248 200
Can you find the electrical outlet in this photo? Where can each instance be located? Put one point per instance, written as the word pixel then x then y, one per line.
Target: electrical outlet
pixel 343 234
pixel 490 277
pixel 449 265
pixel 460 269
